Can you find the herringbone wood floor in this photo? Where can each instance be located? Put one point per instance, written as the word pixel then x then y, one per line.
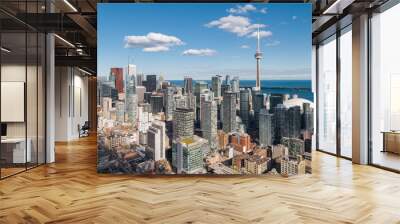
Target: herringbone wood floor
pixel 70 191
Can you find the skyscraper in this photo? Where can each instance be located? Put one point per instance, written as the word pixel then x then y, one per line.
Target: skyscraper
pixel 258 56
pixel 235 83
pixel 156 140
pixel 266 128
pixel 225 87
pixel 294 122
pixel 151 83
pixel 229 112
pixel 244 107
pixel 157 103
pixel 258 104
pixel 198 88
pixel 183 123
pixel 144 117
pixel 120 106
pixel 169 103
pixel 216 85
pixel 187 85
pixel 131 103
pixel 227 80
pixel 130 79
pixel 131 72
pixel 281 124
pixel 208 121
pixel 117 76
pixel 274 100
pixel 308 118
pixel 205 95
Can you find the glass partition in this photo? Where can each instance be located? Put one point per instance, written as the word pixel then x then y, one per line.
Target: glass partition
pixel 346 92
pixel 13 94
pixel 22 91
pixel 327 95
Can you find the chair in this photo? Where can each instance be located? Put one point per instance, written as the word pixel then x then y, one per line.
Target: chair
pixel 84 130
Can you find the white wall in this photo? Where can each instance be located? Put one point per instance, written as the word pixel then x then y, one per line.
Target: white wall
pixel 34 126
pixel 71 87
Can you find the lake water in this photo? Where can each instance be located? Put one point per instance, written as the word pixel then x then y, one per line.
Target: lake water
pixel 302 88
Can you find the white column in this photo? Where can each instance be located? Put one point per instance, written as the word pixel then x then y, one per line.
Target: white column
pixel 50 100
pixel 360 89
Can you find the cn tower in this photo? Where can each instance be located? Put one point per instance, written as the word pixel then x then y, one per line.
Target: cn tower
pixel 258 56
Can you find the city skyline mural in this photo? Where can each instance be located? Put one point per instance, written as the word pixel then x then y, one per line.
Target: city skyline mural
pixel 205 89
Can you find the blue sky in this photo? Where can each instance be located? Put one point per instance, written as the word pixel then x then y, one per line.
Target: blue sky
pixel 201 40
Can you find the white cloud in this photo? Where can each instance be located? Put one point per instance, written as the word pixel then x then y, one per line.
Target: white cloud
pixel 242 9
pixel 294 17
pixel 199 52
pixel 152 42
pixel 263 10
pixel 156 49
pixel 244 46
pixel 273 43
pixel 263 34
pixel 238 25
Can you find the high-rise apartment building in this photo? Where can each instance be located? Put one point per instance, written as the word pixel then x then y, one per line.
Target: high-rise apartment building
pixel 244 107
pixel 169 103
pixel 183 123
pixel 266 127
pixel 229 112
pixel 144 117
pixel 156 140
pixel 208 122
pixel 216 85
pixel 235 83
